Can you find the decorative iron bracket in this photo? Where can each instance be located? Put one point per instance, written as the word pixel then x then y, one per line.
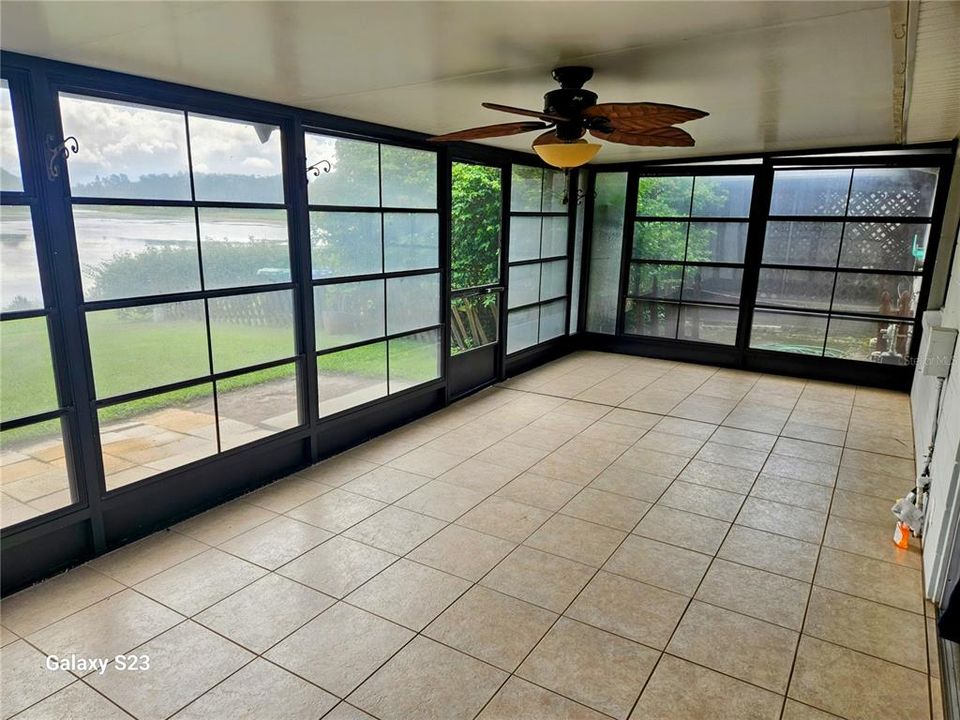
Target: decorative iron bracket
pixel 68 147
pixel 315 168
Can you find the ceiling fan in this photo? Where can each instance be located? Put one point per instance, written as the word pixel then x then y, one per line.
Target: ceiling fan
pixel 571 112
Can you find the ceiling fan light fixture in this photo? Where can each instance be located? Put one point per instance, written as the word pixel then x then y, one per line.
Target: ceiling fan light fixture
pixel 566 155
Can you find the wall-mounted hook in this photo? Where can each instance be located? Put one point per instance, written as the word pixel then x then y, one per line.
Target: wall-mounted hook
pixel 581 196
pixel 315 168
pixel 66 148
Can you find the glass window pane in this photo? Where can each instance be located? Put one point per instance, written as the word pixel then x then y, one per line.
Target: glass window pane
pixel 235 160
pixel 412 302
pixel 712 284
pixel 655 281
pixel 476 226
pixel 525 238
pixel 885 246
pixel 810 192
pixel 877 341
pixel 136 251
pixel 553 279
pixel 351 377
pixel 717 242
pixel 659 240
pixel 701 323
pixel 788 332
pixel 650 318
pixel 871 294
pixel 409 177
pixel 603 288
pixel 716 196
pixel 664 196
pixel 802 243
pixel 553 320
pixel 554 191
pixel 554 232
pixel 808 289
pixel 354 176
pixel 145 437
pixel 523 327
pixel 19 273
pixel 414 359
pixel 525 188
pixel 524 284
pixel 126 150
pixel 244 247
pixel 475 322
pixel 256 405
pixel 904 192
pixel 346 313
pixel 251 329
pixel 34 472
pixel 148 346
pixel 11 176
pixel 345 243
pixel 26 369
pixel 411 241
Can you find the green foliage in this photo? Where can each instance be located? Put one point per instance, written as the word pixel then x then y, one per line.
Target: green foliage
pixel 476 226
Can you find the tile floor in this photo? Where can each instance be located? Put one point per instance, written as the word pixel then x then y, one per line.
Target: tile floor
pixel 603 537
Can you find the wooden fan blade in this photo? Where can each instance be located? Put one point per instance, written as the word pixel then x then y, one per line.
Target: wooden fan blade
pixel 654 137
pixel 490 131
pixel 634 117
pixel 529 113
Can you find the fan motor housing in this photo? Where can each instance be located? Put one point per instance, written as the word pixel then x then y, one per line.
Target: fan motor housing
pixel 570 103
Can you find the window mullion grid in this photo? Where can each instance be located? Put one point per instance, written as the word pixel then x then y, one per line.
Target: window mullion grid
pixel 836 266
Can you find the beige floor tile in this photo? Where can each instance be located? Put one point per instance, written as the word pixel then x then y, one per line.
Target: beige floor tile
pixel 793 710
pixel 624 479
pixel 871 579
pixel 615 432
pixel 520 699
pixel 426 461
pixel 199 582
pixel 629 608
pixel 869 462
pixel 933 649
pixel 441 500
pixel 685 428
pixel 576 539
pixel 872 540
pixel 457 685
pixel 879 442
pixel 504 519
pixel 276 542
pixel 653 461
pixel 72 703
pixel 855 686
pixel 721 477
pixel 338 567
pixel 409 594
pixel 796 428
pixel 702 500
pixel 731 455
pixel 875 484
pixel 604 508
pixel 792 492
pixel 7 636
pixel 569 466
pixel 867 627
pixel 936 699
pixel 155 553
pixel 685 447
pixel 796 522
pixel 654 401
pixel 110 627
pixel 29 610
pixel 224 522
pixel 25 677
pixel 808 450
pixel 386 484
pixel 746 590
pixel 491 626
pixel 694 532
pixel 737 645
pixel 339 469
pixel 864 508
pixel 462 552
pixel 756 417
pixel 260 691
pixel 336 510
pixel 767 551
pixel 540 578
pixel 511 456
pixel 655 563
pixel 285 494
pixel 590 666
pixel 705 408
pixel 343 711
pixel 799 469
pixel 264 612
pixel 340 648
pixel 395 530
pixel 679 690
pixel 762 442
pixel 539 491
pixel 632 418
pixel 482 476
pixel 175 677
pixel 543 438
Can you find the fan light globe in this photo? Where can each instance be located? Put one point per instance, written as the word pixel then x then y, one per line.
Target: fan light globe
pixel 567 155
